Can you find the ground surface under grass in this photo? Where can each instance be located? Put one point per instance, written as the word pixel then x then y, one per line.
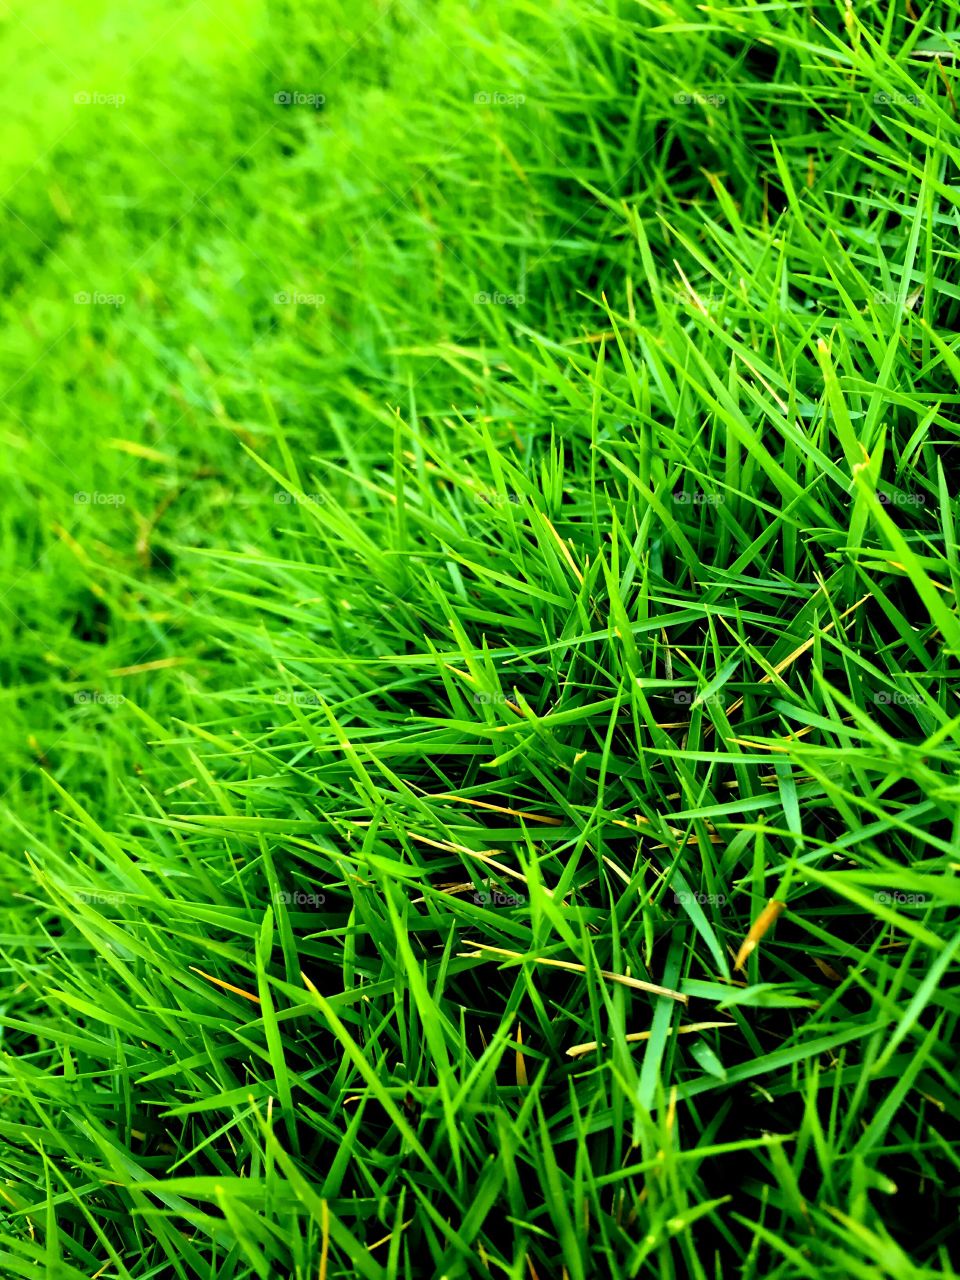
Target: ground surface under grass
pixel 478 506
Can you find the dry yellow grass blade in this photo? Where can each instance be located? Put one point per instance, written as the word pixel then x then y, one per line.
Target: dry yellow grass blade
pixel 495 808
pixel 471 680
pixel 325 1238
pixel 227 986
pixel 483 855
pixel 691 839
pixel 502 868
pixel 160 664
pixel 636 983
pixel 757 744
pixel 564 550
pixel 771 912
pixel 451 889
pixel 672 1110
pixel 636 1036
pixel 827 970
pixel 138 450
pixel 521 1060
pixel 797 653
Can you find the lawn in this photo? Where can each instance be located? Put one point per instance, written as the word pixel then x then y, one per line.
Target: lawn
pixel 480 641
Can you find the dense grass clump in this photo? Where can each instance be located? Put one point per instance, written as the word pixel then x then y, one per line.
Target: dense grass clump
pixel 478 504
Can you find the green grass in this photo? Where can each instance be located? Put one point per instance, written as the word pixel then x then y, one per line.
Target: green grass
pixel 414 692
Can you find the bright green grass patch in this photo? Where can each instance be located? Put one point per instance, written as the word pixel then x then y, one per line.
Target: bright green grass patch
pixel 470 543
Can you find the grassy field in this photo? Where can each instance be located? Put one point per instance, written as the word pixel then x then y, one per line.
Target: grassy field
pixel 480 641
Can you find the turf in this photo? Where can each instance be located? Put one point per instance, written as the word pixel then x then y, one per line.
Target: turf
pixel 479 635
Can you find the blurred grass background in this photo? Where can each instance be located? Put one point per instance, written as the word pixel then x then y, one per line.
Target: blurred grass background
pixel 199 200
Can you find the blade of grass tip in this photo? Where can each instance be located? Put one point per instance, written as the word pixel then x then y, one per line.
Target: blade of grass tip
pixel 921 998
pixel 376 1086
pixel 319 1208
pixel 271 1029
pixel 434 1029
pixel 521 1060
pixel 690 903
pixel 262 1266
pixel 650 1071
pixel 943 617
pixel 557 1201
pixel 882 1118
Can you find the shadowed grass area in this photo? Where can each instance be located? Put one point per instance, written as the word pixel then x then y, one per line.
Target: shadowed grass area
pixel 479 635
